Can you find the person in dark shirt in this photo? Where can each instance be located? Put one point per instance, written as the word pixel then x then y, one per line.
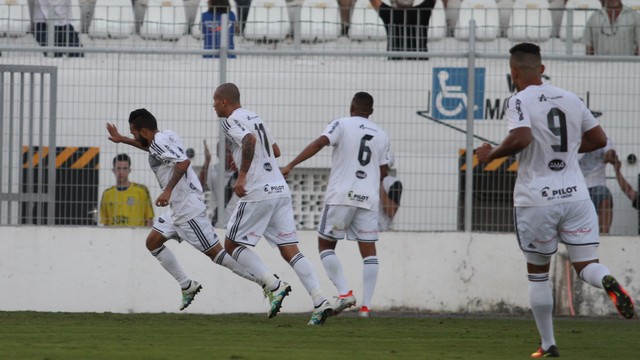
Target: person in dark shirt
pixel 406 25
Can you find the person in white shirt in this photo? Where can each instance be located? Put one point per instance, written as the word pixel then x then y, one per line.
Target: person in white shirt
pixel 58 13
pixel 264 208
pixel 593 165
pixel 548 127
pixel 390 194
pixel 358 163
pixel 186 219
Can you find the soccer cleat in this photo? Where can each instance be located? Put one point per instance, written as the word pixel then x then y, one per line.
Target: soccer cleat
pixel 363 312
pixel 321 313
pixel 344 302
pixel 619 296
pixel 190 293
pixel 276 296
pixel 552 351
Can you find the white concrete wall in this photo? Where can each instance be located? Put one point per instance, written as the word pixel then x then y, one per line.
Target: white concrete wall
pixel 95 269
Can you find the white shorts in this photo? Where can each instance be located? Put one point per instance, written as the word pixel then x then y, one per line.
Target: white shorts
pixel 540 228
pixel 272 218
pixel 358 223
pixel 198 231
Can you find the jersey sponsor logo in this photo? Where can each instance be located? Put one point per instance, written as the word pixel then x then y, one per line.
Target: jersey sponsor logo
pixel 269 189
pixel 361 174
pixel 333 128
pixel 542 98
pixel 193 187
pixel 238 124
pixel 580 231
pixel 556 165
pixel 267 166
pixel 545 241
pixel 285 235
pixel 563 193
pixel 253 234
pixel 249 118
pixel 160 220
pixel 367 128
pixel 450 100
pixel 171 151
pixel 519 110
pixel 357 197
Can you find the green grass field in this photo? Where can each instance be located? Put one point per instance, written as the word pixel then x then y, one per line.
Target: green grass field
pixel 32 335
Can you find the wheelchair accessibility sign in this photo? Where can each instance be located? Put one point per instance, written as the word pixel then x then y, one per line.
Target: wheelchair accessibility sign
pixel 450 93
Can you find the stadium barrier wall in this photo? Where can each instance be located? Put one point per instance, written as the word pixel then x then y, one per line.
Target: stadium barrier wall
pixel 89 269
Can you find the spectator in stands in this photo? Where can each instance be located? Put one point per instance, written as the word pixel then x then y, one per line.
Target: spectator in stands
pixel 390 193
pixel 126 203
pixel 211 25
pixel 593 165
pixel 57 12
pixel 406 25
pixel 209 179
pixel 626 188
pixel 614 30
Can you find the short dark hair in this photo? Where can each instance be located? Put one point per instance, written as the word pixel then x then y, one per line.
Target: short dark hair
pixel 143 119
pixel 526 48
pixel 121 157
pixel 363 101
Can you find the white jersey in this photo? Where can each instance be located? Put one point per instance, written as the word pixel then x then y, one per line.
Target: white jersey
pixel 548 170
pixel 264 179
pixel 360 147
pixel 593 166
pixel 187 200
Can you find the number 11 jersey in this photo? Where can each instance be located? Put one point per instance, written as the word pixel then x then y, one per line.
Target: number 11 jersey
pixel 548 169
pixel 360 147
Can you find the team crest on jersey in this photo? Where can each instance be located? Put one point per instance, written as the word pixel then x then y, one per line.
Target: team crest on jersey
pixel 131 201
pixel 267 166
pixel 556 165
pixel 361 174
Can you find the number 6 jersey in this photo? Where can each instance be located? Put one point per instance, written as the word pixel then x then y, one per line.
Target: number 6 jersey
pixel 360 147
pixel 548 169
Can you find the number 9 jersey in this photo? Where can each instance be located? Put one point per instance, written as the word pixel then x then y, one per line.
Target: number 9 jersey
pixel 548 169
pixel 360 147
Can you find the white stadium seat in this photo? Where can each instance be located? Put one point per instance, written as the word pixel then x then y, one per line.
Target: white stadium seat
pixel 437 22
pixel 365 23
pixel 14 18
pixel 582 10
pixel 112 19
pixel 530 21
pixel 485 13
pixel 164 19
pixel 267 20
pixel 319 20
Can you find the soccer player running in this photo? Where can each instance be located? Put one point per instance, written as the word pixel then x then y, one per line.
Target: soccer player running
pixel 548 127
pixel 358 164
pixel 264 208
pixel 186 218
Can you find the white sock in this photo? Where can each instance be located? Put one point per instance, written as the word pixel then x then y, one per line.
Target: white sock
pixel 333 268
pixel 593 273
pixel 541 300
pixel 230 263
pixel 304 270
pixel 254 265
pixel 369 278
pixel 169 262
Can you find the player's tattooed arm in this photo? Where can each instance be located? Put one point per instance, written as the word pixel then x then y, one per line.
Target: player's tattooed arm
pixel 178 172
pixel 248 149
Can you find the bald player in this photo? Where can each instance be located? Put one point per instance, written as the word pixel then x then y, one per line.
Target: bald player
pixel 358 164
pixel 264 208
pixel 548 127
